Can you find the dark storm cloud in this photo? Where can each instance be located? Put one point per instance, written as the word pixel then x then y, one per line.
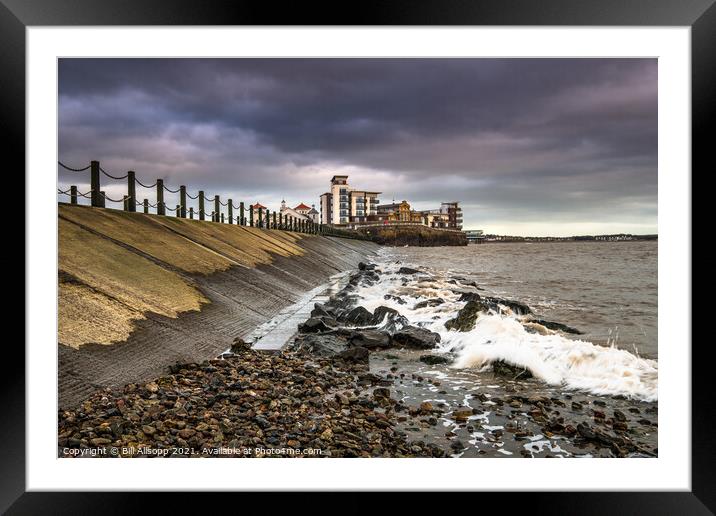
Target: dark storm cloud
pixel 534 140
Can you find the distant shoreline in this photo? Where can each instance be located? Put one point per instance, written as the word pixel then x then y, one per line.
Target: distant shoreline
pixel 495 239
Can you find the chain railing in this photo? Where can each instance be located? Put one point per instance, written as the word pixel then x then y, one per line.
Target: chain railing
pixel 253 215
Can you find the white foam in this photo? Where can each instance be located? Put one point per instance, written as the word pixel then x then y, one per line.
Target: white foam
pixel 553 358
pixel 557 360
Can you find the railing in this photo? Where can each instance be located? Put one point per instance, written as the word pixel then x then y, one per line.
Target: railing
pixel 405 223
pixel 257 217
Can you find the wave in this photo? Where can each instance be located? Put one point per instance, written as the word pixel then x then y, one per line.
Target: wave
pixel 551 357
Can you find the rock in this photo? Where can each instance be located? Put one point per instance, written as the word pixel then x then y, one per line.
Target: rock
pixel 100 441
pixel 397 299
pixel 361 266
pixel 152 387
pixel 370 339
pixel 457 445
pixel 517 307
pixel 358 316
pixel 416 338
pixel 327 434
pixel 326 345
pixel 429 303
pixel 556 326
pixel 619 415
pixel 358 354
pixel 240 346
pixel 381 392
pixel 314 325
pixel 426 407
pixel 320 310
pixel 186 433
pixel 461 414
pixel 467 316
pixel 503 368
pixel 435 359
pixel 407 270
pixel 388 319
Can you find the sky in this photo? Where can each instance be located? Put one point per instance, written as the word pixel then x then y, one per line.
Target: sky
pixel 532 147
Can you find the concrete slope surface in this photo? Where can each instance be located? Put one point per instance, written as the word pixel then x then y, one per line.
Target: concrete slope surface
pixel 138 292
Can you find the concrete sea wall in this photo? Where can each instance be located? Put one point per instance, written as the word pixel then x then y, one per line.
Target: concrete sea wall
pixel 138 293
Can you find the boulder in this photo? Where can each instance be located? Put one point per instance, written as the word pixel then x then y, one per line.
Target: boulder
pixel 557 326
pixel 503 368
pixel 370 339
pixel 407 270
pixel 417 338
pixel 321 344
pixel 388 319
pixel 358 354
pixel 517 307
pixel 429 303
pixel 467 316
pixel 320 310
pixel 397 299
pixel 358 316
pixel 314 325
pixel 435 359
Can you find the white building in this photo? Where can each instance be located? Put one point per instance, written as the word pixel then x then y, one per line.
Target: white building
pixel 301 212
pixel 344 204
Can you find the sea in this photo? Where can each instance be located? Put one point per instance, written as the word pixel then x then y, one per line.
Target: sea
pixel 606 290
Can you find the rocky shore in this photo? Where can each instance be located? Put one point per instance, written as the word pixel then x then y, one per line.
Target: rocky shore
pixel 358 383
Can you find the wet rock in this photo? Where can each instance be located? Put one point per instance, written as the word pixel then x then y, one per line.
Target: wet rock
pixel 435 359
pixel 429 303
pixel 326 345
pixel 503 368
pixel 467 316
pixel 381 392
pixel 408 270
pixel 397 299
pixel 358 316
pixel 389 319
pixel 371 339
pixel 619 415
pixel 320 310
pixel 314 325
pixel 416 338
pixel 556 326
pixel 356 354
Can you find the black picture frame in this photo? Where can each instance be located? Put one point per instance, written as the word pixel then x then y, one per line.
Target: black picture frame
pixel 700 15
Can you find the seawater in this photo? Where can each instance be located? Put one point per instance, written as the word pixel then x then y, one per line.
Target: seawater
pixel 607 290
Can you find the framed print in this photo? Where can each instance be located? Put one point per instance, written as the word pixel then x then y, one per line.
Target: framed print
pixel 420 249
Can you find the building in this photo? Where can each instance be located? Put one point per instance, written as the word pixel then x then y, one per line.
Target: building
pixel 344 205
pixel 475 236
pixel 301 212
pixel 448 216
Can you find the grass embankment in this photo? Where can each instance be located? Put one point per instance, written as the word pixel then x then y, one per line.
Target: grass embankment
pixel 115 267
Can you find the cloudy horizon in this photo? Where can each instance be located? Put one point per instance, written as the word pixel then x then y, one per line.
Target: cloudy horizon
pixel 530 147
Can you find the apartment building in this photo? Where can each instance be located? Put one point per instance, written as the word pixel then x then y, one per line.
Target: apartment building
pixel 344 205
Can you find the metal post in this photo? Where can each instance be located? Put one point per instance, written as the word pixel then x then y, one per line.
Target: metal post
pixel 73 194
pixel 161 209
pixel 268 219
pixel 217 208
pixel 131 191
pixel 274 220
pixel 242 220
pixel 280 220
pixel 95 196
pixel 222 218
pixel 231 211
pixel 201 204
pixel 182 201
pixel 261 217
pixel 251 215
pixel 191 213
